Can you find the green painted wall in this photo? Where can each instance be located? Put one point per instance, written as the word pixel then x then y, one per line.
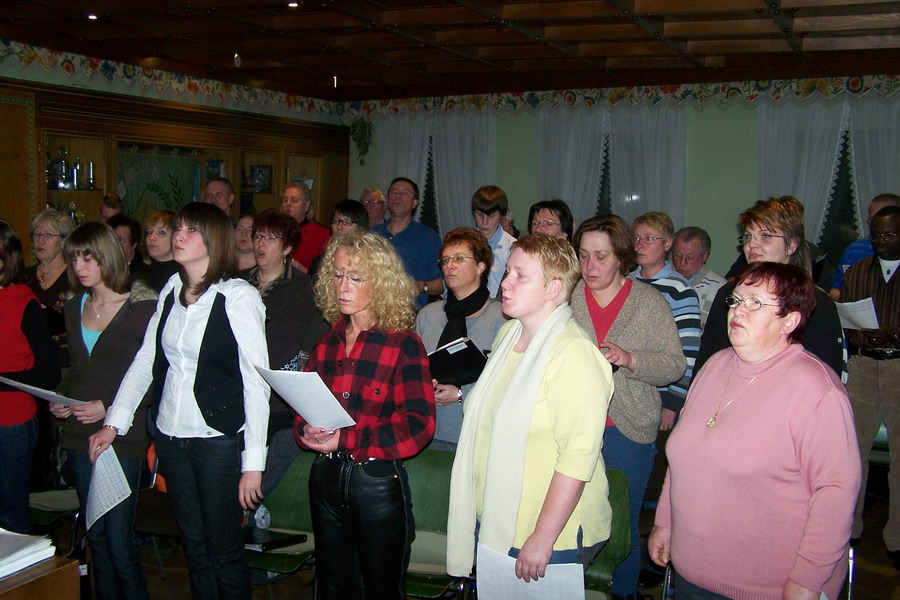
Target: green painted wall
pixel 722 170
pixel 722 175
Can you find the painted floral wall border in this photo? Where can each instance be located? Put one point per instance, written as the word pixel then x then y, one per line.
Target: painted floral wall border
pixel 80 71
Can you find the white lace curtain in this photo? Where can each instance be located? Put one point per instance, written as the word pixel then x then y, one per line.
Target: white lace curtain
pixel 570 152
pixel 648 161
pixel 464 148
pixel 799 146
pixel 403 147
pixel 875 138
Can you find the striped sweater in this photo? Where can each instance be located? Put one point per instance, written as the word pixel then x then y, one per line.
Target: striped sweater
pixel 685 307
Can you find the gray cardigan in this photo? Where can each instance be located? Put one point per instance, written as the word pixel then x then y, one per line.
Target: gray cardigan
pixel 645 327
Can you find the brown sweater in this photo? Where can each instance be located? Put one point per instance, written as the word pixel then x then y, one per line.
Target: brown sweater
pixel 96 376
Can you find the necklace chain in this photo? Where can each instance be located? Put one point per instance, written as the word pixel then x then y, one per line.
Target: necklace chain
pixel 714 419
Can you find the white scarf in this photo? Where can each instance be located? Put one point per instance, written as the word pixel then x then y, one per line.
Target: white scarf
pixel 506 452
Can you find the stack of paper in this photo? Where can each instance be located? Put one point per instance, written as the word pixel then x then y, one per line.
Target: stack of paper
pixel 19 551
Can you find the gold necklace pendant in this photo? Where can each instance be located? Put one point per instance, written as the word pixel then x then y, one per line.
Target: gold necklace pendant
pixel 712 421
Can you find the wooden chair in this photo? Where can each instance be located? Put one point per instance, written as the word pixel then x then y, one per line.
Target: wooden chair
pixel 598 579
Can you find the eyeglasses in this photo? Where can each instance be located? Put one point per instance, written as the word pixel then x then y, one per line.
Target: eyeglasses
pixel 44 236
pixel 371 201
pixel 269 238
pixel 647 239
pixel 762 238
pixel 291 199
pixel 751 304
pixel 345 222
pixel 686 257
pixel 883 235
pixel 548 223
pixel 353 280
pixel 242 229
pixel 219 195
pixel 457 259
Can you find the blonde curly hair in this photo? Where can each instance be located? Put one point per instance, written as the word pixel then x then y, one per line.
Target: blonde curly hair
pixel 392 290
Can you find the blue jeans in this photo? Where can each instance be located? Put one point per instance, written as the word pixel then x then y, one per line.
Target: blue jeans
pixel 115 558
pixel 685 590
pixel 636 461
pixel 202 478
pixel 16 447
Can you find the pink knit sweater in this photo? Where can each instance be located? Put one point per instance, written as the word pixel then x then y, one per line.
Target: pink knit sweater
pixel 768 492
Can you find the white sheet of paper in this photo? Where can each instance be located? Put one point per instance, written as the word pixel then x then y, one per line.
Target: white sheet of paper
pixel 497 579
pixel 857 315
pixel 108 486
pixel 309 396
pixel 37 392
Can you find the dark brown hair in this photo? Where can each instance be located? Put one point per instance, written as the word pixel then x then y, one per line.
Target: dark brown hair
pixel 218 236
pixel 98 241
pixel 620 237
pixel 278 224
pixel 12 269
pixel 477 245
pixel 793 287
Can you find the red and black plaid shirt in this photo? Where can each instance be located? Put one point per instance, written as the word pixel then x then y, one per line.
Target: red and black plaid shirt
pixel 385 385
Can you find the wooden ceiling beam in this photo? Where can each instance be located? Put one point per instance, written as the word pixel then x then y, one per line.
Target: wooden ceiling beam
pixel 737 46
pixel 674 62
pixel 517 51
pixel 655 29
pixel 588 32
pixel 539 11
pixel 852 23
pixel 626 49
pixel 730 28
pixel 431 16
pixel 673 7
pixel 784 20
pixel 851 43
pixel 481 35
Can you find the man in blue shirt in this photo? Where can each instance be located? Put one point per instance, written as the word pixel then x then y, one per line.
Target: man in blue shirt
pixel 860 249
pixel 418 245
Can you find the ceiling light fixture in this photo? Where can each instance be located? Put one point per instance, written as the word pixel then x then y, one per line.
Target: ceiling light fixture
pixel 92 17
pixel 237 60
pixel 335 81
pixel 293 4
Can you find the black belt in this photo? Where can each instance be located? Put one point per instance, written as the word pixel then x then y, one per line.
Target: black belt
pixel 880 353
pixel 345 457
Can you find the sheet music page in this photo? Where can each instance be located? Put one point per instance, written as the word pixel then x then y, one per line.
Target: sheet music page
pixel 857 315
pixel 309 396
pixel 108 486
pixel 497 580
pixel 48 395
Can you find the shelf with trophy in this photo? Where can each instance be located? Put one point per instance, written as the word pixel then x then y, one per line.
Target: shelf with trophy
pixel 75 174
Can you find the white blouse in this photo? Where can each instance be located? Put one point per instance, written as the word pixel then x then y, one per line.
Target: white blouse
pixel 179 415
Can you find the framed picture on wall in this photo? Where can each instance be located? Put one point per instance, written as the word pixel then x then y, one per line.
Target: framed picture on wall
pixel 261 178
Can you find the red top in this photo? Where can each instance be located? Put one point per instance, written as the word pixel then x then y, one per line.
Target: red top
pixel 385 386
pixel 603 317
pixel 313 240
pixel 15 353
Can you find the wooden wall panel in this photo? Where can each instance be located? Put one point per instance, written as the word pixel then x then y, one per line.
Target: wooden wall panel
pixel 17 152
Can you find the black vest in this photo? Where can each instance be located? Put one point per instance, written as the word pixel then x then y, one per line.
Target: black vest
pixel 218 385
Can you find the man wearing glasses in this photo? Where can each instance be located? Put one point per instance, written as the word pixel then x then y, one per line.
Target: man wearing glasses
pixel 376 205
pixel 690 251
pixel 296 200
pixel 652 242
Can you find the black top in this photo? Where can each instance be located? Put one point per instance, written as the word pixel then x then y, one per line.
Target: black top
pixel 156 274
pixel 53 301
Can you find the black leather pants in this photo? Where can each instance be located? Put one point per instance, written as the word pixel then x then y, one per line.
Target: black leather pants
pixel 363 523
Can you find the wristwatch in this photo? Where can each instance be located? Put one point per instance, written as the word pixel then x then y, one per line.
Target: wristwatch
pixel 459 395
pixel 425 287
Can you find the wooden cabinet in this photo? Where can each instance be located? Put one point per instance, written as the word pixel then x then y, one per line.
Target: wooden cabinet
pixel 155 154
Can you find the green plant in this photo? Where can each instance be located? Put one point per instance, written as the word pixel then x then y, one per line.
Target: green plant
pixel 362 132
